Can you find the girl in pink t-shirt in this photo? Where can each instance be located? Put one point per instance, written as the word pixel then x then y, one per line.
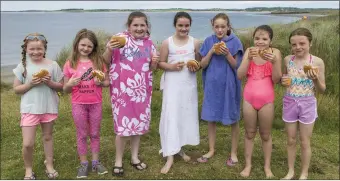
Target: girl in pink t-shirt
pixel 86 91
pixel 131 87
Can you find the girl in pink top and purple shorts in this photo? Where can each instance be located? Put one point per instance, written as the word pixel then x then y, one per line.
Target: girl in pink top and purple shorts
pixel 299 102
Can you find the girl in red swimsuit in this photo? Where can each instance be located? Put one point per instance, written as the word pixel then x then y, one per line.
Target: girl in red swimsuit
pixel 262 72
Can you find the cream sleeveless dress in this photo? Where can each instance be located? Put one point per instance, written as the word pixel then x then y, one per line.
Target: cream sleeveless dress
pixel 179 117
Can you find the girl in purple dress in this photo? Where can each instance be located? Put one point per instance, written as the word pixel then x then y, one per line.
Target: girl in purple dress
pixel 222 89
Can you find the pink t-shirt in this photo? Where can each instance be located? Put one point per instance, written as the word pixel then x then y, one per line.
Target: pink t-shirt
pixel 86 92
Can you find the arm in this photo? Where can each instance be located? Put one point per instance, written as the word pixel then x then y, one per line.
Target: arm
pixel 57 86
pixel 277 74
pixel 107 55
pixel 243 69
pixel 231 59
pixel 20 88
pixel 154 58
pixel 197 49
pixel 108 51
pixel 106 81
pixel 319 81
pixel 285 71
pixel 164 52
pixel 206 59
pixel 67 88
pixel 69 83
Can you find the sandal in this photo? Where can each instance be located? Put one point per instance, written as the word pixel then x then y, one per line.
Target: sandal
pixel 119 173
pixel 32 177
pixel 230 162
pixel 203 159
pixel 139 166
pixel 52 175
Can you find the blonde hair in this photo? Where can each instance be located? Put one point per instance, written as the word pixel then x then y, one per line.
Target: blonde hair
pixel 24 47
pixel 95 56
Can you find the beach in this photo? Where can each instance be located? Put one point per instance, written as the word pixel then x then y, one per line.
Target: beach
pixel 7 75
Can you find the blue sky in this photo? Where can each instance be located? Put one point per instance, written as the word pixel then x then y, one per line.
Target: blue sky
pixel 56 5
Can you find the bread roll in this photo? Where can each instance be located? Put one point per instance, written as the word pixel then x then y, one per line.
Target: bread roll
pixel 193 63
pixel 42 73
pixel 262 52
pixel 306 68
pixel 217 47
pixel 99 74
pixel 120 39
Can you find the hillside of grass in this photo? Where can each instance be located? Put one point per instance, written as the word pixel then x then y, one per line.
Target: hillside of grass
pixel 325 139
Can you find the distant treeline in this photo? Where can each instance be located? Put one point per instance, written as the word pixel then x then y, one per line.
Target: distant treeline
pixel 274 10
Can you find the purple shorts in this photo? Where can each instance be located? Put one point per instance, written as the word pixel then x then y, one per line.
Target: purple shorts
pixel 302 109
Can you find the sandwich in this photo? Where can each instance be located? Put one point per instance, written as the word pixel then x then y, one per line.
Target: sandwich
pixel 217 47
pixel 120 39
pixel 42 73
pixel 99 74
pixel 194 64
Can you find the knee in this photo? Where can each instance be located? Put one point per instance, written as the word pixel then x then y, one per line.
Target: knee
pixel 28 145
pixel 305 144
pixel 265 136
pixel 291 141
pixel 94 136
pixel 250 135
pixel 47 137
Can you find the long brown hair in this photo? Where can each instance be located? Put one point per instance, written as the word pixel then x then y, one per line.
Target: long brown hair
pixel 95 56
pixel 24 47
pixel 224 17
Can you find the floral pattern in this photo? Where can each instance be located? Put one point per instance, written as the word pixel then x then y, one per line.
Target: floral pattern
pixel 131 86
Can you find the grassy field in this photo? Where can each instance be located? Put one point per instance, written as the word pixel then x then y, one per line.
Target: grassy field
pixel 325 140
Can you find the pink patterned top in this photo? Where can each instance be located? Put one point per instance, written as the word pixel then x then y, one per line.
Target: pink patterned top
pixel 131 86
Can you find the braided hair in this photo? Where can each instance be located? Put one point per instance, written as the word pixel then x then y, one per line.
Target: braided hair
pixel 24 47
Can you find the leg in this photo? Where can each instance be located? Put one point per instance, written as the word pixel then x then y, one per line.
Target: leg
pixel 28 135
pixel 168 164
pixel 250 120
pixel 80 116
pixel 135 140
pixel 266 116
pixel 47 131
pixel 95 118
pixel 212 140
pixel 120 146
pixel 291 129
pixel 185 157
pixel 306 131
pixel 235 135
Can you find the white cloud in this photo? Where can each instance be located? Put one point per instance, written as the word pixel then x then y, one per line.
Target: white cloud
pixel 56 5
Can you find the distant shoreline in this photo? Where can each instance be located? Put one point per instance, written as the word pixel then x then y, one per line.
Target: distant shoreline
pixel 271 10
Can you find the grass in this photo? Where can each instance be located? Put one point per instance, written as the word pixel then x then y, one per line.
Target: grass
pixel 325 140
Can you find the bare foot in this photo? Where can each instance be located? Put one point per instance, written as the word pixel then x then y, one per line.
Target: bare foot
pixel 234 157
pixel 208 155
pixel 167 165
pixel 185 157
pixel 303 177
pixel 289 176
pixel 246 171
pixel 269 173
